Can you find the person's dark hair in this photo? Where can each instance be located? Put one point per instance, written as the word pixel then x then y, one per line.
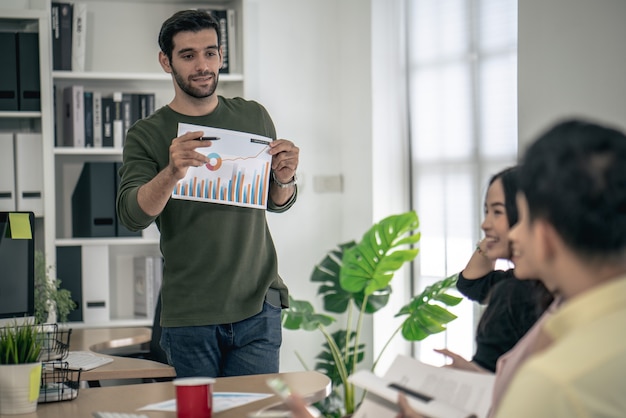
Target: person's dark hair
pixel 508 177
pixel 182 21
pixel 574 176
pixel 507 293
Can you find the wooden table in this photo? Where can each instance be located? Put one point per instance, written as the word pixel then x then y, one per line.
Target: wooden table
pixel 312 385
pixel 104 340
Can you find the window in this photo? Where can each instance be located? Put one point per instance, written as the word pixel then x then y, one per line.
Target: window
pixel 462 72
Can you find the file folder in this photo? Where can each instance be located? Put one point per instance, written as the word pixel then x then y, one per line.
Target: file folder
pixel 97 296
pixel 28 71
pixel 93 201
pixel 7 173
pixel 29 172
pixel 8 71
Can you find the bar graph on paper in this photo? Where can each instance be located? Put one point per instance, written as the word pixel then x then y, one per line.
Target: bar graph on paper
pixel 238 171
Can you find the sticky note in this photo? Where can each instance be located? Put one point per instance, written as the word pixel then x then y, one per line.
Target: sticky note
pixel 20 226
pixel 35 383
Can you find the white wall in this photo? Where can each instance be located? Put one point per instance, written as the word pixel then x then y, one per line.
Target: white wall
pixel 317 66
pixel 390 180
pixel 572 62
pixel 308 63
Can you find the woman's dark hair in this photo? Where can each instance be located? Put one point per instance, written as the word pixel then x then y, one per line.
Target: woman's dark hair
pixel 185 20
pixel 509 180
pixel 507 295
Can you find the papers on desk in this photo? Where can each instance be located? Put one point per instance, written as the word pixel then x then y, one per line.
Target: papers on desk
pixel 438 392
pixel 221 401
pixel 85 360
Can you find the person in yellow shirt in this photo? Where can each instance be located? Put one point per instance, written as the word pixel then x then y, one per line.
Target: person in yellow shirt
pixel 571 233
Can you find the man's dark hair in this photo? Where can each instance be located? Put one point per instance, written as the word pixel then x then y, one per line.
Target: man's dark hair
pixel 182 21
pixel 508 177
pixel 574 176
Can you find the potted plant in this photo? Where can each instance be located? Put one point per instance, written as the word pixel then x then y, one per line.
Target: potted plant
pixel 355 281
pixel 20 368
pixel 51 302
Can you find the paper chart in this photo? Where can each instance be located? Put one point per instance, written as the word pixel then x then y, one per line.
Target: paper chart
pixel 238 171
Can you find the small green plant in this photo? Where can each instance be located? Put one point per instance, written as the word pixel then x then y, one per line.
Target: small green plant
pixel 48 293
pixel 20 344
pixel 355 281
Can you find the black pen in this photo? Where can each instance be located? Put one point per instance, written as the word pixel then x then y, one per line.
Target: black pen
pixel 208 138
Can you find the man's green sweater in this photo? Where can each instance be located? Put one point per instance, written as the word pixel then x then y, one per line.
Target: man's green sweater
pixel 219 259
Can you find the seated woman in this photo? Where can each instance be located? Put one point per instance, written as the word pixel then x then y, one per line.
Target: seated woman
pixel 513 305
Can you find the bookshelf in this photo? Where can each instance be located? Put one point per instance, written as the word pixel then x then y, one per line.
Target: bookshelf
pixel 121 55
pixel 36 20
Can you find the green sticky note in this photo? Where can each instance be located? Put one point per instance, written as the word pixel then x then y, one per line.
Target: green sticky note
pixel 20 226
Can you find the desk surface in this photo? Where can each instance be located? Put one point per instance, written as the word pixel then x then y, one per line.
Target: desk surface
pixel 312 385
pixel 105 339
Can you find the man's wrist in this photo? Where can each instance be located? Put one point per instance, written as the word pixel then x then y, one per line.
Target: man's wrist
pixel 291 183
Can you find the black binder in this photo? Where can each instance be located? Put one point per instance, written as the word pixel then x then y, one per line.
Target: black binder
pixel 69 272
pixel 28 71
pixel 93 201
pixel 8 71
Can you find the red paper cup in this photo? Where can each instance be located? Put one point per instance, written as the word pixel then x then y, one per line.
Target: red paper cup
pixel 194 397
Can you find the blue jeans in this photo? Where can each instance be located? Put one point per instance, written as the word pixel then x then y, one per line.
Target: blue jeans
pixel 251 346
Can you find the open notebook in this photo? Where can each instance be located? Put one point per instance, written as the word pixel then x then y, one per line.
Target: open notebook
pixel 438 392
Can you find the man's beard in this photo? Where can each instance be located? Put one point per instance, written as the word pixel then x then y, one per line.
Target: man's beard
pixel 193 91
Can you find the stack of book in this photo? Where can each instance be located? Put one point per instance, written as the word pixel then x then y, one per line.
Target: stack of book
pixel 94 119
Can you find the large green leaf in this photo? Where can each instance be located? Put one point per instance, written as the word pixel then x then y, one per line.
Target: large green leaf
pixel 336 299
pixel 301 315
pixel 370 265
pixel 426 316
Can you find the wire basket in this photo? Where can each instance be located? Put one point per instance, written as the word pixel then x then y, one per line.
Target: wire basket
pixel 58 382
pixel 55 342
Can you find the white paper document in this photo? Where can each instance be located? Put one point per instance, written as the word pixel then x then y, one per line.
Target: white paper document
pixel 221 401
pixel 437 392
pixel 238 171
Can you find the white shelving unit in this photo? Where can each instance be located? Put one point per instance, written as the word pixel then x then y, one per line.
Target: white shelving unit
pixel 34 20
pixel 121 55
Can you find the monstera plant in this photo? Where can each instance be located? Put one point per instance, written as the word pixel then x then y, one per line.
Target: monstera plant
pixel 354 281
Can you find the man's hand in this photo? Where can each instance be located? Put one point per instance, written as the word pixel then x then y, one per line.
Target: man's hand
pixel 183 153
pixel 154 195
pixel 285 158
pixel 297 407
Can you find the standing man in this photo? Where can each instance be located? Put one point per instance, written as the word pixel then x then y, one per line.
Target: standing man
pixel 221 293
